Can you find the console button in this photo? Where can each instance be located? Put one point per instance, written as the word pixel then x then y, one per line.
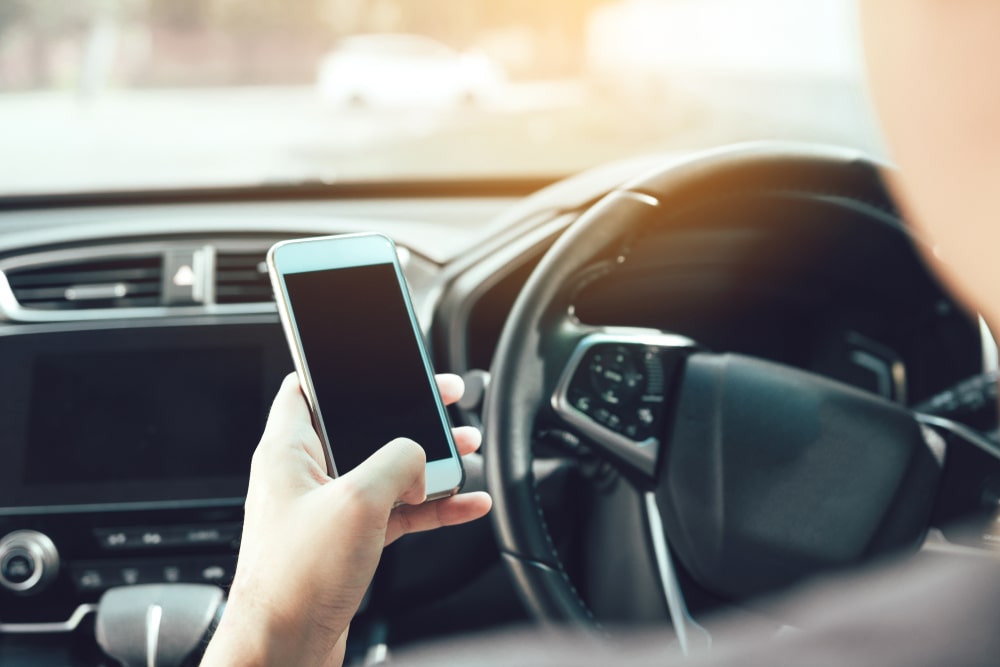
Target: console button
pixel 152 537
pixel 114 540
pixel 18 566
pixel 219 534
pixel 88 579
pixel 129 538
pixel 130 576
pixel 171 574
pixel 213 573
pixel 218 571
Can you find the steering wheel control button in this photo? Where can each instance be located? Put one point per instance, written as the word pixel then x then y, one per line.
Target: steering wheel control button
pixel 613 391
pixel 29 562
pixel 614 375
pixel 645 416
pixel 621 386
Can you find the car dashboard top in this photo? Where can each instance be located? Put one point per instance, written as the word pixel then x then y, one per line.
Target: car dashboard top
pixel 140 349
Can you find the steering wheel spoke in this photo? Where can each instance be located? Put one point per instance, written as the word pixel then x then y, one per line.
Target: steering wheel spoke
pixel 614 391
pixel 691 636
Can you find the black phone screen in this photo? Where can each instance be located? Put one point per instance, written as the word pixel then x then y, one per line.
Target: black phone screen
pixel 365 362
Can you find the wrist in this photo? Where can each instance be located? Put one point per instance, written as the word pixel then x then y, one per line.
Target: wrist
pixel 242 640
pixel 254 633
pixel 250 636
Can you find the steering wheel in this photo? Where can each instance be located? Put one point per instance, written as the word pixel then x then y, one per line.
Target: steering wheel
pixel 751 473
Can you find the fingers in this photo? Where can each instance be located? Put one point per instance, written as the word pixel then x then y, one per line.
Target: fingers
pixel 395 473
pixel 289 411
pixel 451 511
pixel 467 439
pixel 289 428
pixel 392 473
pixel 451 387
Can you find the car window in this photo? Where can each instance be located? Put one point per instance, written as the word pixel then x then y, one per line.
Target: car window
pixel 123 94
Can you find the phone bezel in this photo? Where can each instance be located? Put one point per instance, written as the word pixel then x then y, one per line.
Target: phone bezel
pixel 444 477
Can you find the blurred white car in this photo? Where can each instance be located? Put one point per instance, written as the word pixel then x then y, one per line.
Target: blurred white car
pixel 405 70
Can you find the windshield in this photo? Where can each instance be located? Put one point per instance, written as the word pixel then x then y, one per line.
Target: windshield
pixel 146 94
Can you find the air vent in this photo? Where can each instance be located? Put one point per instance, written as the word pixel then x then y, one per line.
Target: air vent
pixel 241 277
pixel 127 282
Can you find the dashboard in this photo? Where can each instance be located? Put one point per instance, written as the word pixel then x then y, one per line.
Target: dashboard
pixel 140 349
pixel 139 358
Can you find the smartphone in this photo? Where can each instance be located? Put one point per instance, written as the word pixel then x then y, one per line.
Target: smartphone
pixel 359 353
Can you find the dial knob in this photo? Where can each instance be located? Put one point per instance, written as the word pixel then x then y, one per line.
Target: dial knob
pixel 29 561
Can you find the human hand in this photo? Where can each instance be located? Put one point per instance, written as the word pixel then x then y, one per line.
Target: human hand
pixel 311 543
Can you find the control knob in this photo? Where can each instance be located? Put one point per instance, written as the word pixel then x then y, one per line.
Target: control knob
pixel 29 561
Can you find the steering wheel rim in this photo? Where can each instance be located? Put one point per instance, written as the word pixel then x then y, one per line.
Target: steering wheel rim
pixel 522 378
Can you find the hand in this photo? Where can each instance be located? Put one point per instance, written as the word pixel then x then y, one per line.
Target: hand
pixel 311 543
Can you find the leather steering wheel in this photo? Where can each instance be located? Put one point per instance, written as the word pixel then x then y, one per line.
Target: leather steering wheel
pixel 737 459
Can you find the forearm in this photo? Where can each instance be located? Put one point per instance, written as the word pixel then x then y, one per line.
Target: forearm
pixel 250 636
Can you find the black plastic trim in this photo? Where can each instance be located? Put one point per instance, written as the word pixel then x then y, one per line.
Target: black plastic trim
pixel 491 187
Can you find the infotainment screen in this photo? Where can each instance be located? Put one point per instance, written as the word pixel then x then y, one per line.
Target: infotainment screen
pixel 160 414
pixel 137 416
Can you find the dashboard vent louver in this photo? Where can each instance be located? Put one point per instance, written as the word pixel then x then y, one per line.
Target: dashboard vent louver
pixel 241 277
pixel 126 282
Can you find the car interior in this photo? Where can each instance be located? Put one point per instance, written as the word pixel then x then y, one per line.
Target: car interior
pixel 705 374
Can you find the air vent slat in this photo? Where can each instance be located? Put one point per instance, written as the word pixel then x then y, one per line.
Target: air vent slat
pixel 76 277
pixel 148 302
pixel 241 277
pixel 234 291
pixel 239 259
pixel 30 294
pixel 87 284
pixel 234 276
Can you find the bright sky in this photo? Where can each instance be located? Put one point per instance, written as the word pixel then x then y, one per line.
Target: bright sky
pixel 814 36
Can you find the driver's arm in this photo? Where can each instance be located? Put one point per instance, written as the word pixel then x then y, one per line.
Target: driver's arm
pixel 311 543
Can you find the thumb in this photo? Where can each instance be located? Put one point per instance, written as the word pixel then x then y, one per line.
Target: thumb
pixel 395 473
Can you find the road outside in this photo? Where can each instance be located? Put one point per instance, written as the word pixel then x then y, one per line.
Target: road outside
pixel 52 141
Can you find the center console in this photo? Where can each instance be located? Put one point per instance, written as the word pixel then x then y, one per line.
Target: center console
pixel 125 454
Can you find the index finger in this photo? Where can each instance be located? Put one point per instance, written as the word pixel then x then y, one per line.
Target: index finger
pixel 450 386
pixel 289 409
pixel 289 423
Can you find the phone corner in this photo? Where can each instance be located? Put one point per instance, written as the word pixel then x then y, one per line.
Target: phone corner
pixel 269 256
pixel 388 239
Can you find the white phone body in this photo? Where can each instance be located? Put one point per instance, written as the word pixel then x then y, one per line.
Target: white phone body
pixel 359 353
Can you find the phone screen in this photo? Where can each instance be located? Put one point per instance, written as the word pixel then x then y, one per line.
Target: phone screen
pixel 365 361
